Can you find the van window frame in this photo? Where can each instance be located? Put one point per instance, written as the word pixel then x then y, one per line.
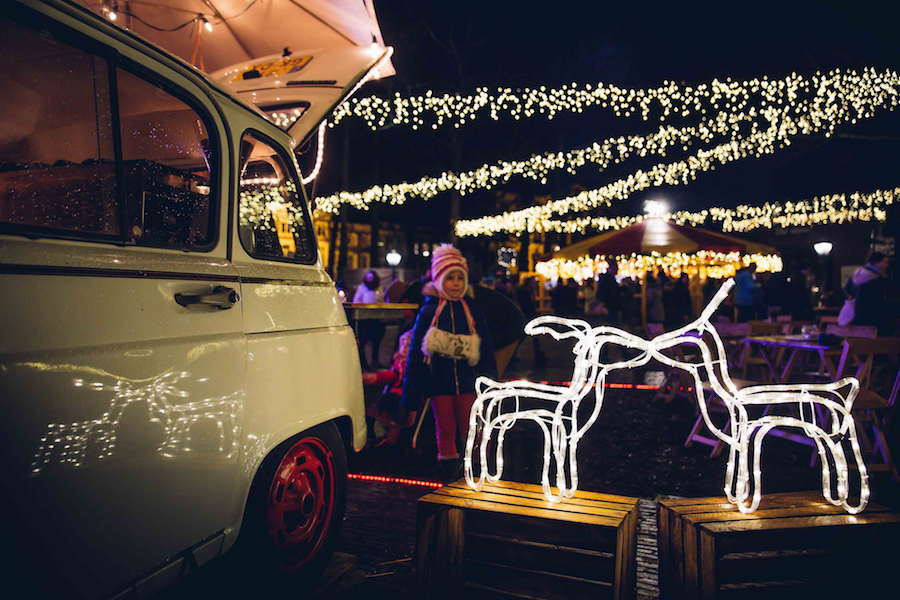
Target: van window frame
pixel 44 25
pixel 288 159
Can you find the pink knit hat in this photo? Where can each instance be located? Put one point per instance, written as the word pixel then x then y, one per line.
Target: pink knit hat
pixel 446 258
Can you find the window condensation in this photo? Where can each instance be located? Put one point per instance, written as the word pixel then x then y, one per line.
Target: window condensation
pixel 57 167
pixel 167 154
pixel 273 219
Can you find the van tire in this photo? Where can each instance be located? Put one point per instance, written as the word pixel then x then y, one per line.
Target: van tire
pixel 295 510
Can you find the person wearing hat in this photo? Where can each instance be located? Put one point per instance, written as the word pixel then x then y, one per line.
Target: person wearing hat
pixel 450 347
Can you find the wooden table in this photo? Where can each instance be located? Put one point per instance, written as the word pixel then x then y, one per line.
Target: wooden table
pixel 771 346
pixel 360 311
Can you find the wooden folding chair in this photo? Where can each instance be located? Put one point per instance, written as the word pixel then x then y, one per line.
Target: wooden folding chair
pixel 872 411
pixel 750 359
pixel 826 320
pixel 732 335
pixel 847 332
pixel 676 382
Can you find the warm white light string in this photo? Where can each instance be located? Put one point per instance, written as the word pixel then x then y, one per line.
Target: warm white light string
pixel 705 263
pixel 670 100
pixel 820 210
pixel 847 98
pixel 320 154
pixel 824 410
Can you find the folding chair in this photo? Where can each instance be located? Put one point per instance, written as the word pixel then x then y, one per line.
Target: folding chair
pixel 676 382
pixel 750 359
pixel 872 411
pixel 731 334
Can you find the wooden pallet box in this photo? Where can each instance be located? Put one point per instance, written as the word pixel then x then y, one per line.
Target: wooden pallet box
pixel 793 544
pixel 508 541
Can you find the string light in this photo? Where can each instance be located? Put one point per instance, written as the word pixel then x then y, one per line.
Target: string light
pixel 834 100
pixel 821 210
pixel 320 154
pixel 704 263
pixel 401 480
pixel 668 101
pixel 499 406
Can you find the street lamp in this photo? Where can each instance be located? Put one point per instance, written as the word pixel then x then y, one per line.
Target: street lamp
pixel 393 258
pixel 823 248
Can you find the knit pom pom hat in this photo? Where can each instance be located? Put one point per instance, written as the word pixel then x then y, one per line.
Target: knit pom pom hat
pixel 444 259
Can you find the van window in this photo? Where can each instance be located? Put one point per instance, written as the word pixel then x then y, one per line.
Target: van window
pixel 77 159
pixel 57 167
pixel 274 222
pixel 166 154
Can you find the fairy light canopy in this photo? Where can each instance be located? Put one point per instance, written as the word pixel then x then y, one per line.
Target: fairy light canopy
pixel 654 245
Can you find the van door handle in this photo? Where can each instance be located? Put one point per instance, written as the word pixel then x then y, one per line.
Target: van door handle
pixel 221 297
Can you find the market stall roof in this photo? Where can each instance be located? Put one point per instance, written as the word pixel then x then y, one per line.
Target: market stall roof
pixel 656 235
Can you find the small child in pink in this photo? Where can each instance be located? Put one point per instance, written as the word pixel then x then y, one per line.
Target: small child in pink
pixel 386 409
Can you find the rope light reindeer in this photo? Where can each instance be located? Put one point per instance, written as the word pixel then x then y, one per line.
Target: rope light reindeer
pixel 821 411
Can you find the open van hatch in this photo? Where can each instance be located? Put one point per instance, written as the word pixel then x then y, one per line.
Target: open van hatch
pixel 298 90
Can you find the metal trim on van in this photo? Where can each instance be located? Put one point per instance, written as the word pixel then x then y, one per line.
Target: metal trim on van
pixel 120 273
pixel 290 161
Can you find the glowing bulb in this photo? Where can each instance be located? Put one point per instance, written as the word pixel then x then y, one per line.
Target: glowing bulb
pixel 112 15
pixel 207 25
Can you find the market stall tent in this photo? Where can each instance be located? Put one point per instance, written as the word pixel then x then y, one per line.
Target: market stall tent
pixel 653 245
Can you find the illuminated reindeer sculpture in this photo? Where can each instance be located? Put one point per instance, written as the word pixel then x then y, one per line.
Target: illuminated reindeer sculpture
pixel 822 411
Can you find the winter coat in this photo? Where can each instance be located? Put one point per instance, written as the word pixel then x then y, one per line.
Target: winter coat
pixel 745 288
pixel 445 376
pixel 392 376
pixel 868 286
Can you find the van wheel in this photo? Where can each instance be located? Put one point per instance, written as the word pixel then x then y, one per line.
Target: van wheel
pixel 297 505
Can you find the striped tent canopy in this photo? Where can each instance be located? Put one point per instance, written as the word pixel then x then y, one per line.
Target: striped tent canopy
pixel 654 244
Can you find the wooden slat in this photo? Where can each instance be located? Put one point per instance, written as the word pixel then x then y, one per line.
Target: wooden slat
pixel 516 544
pixel 572 506
pixel 527 511
pixel 536 489
pixel 807 516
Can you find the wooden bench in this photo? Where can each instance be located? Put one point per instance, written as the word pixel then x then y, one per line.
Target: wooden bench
pixel 794 545
pixel 508 541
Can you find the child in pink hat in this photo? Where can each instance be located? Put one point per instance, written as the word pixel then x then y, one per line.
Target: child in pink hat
pixel 450 347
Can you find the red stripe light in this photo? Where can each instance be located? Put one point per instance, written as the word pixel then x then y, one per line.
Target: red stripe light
pixel 400 480
pixel 623 386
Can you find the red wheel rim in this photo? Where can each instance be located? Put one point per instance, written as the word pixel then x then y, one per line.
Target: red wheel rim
pixel 300 506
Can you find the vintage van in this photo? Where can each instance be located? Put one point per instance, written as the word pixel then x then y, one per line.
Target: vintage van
pixel 177 375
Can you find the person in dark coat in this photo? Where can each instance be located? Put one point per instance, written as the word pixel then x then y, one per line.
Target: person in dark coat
pixel 609 293
pixel 444 367
pixel 797 301
pixel 868 286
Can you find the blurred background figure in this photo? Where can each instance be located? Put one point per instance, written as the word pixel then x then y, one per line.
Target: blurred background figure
pixel 656 312
pixel 678 303
pixel 746 292
pixel 610 295
pixel 526 294
pixel 797 300
pixel 564 299
pixel 370 330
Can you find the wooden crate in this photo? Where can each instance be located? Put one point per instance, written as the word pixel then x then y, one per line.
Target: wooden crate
pixel 508 541
pixel 793 544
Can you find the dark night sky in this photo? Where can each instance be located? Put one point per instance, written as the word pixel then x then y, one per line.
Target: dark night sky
pixel 629 44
